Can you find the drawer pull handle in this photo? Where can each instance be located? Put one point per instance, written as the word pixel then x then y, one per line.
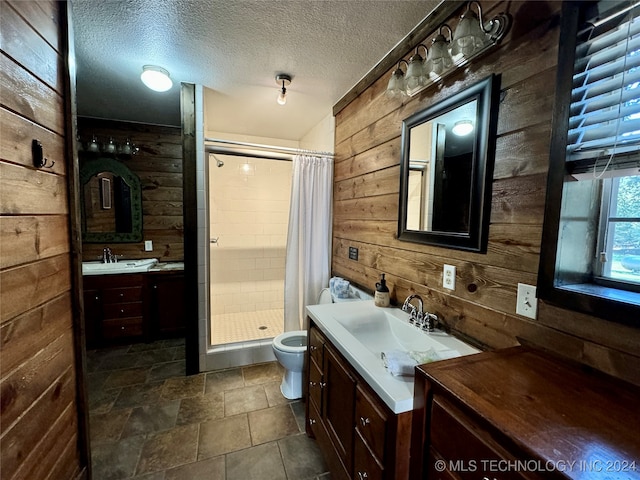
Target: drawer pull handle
pixel 323 384
pixel 313 348
pixel 312 421
pixel 362 475
pixel 121 295
pixel 365 421
pixel 121 328
pixel 121 310
pixel 312 384
pixel 97 297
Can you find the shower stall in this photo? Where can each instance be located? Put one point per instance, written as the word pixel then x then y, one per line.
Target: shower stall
pixel 248 219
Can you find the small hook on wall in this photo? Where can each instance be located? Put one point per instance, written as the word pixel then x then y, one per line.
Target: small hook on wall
pixel 38 157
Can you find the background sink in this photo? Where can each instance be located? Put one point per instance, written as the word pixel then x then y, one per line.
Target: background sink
pixel 123 266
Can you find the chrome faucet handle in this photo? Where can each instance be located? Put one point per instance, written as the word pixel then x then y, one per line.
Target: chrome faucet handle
pixel 430 322
pixel 412 313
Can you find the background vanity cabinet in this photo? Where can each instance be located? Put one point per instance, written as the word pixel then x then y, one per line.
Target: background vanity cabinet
pixel 166 301
pixel 133 307
pixel 360 437
pixel 114 307
pixel 521 414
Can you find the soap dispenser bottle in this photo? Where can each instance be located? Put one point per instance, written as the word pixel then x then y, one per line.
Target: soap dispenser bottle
pixel 381 298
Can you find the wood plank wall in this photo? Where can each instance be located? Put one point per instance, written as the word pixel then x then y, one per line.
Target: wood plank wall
pixel 159 166
pixel 39 409
pixel 482 307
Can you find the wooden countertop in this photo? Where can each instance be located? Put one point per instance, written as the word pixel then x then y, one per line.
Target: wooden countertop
pixel 584 422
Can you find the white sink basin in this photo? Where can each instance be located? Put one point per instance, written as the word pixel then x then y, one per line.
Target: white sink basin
pixel 382 330
pixel 123 266
pixel 361 332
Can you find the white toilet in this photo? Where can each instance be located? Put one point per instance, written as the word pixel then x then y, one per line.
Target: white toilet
pixel 289 349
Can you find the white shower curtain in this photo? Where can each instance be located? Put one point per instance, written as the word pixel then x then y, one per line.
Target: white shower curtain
pixel 308 257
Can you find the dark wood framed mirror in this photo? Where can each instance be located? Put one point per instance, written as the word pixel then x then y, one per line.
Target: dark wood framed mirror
pixel 446 169
pixel 111 202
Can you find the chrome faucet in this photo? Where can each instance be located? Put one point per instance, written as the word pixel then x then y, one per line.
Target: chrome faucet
pixel 417 316
pixel 108 256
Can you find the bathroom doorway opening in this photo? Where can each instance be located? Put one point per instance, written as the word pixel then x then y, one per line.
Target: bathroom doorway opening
pixel 249 201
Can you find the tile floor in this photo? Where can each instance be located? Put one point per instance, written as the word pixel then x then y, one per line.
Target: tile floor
pixel 149 421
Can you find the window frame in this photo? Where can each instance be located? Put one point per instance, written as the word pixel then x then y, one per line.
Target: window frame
pixel 610 190
pixel 603 301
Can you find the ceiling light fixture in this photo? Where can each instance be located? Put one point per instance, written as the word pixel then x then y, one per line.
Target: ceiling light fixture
pixel 471 38
pixel 156 78
pixel 285 80
pixel 462 128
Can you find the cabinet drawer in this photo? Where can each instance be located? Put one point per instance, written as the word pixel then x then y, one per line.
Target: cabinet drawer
pixel 314 421
pixel 460 440
pixel 128 327
pixel 316 346
pixel 371 422
pixel 365 464
pixel 123 310
pixel 438 473
pixel 122 295
pixel 315 385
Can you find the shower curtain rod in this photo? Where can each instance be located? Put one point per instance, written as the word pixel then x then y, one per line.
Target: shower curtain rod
pixel 272 148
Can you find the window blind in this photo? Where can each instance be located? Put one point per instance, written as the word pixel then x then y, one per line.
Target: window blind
pixel 605 99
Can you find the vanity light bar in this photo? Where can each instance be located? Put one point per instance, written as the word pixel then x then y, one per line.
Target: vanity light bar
pixel 471 38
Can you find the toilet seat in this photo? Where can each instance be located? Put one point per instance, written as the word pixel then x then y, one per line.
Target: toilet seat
pixel 292 342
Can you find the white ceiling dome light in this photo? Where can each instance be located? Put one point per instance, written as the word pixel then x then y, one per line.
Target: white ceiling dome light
pixel 156 78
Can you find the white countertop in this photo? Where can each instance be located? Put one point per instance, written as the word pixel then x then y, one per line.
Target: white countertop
pixel 360 331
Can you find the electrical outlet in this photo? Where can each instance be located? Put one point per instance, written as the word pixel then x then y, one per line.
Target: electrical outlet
pixel 449 277
pixel 527 303
pixel 148 245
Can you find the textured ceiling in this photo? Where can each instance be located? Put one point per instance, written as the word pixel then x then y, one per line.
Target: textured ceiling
pixel 234 48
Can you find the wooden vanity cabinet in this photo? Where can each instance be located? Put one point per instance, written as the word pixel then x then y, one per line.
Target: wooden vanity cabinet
pixel 166 304
pixel 360 437
pixel 339 401
pixel 115 308
pixel 521 414
pixel 133 307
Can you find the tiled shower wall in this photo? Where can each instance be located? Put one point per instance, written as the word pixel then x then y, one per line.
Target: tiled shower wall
pixel 249 210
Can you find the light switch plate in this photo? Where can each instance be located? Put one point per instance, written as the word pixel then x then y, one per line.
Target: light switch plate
pixel 449 277
pixel 527 303
pixel 148 245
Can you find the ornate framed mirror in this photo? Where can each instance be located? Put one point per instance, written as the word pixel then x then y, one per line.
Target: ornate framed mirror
pixel 111 202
